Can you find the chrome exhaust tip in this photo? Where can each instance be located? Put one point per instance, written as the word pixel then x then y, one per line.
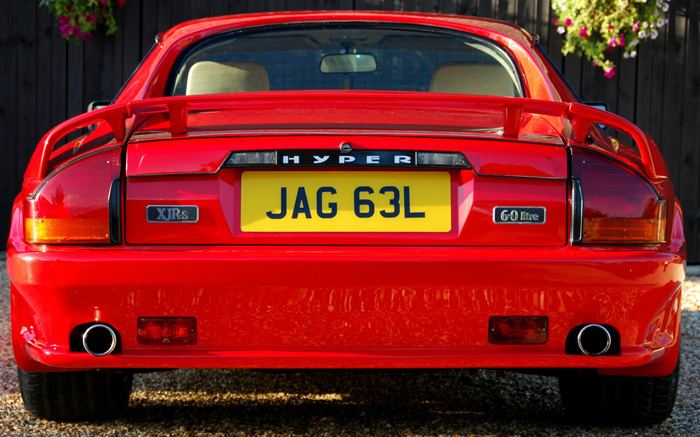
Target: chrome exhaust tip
pixel 99 340
pixel 594 340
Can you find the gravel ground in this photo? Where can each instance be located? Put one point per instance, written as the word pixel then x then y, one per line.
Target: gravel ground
pixel 242 402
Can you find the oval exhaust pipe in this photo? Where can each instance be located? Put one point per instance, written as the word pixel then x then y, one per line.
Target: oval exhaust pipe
pixel 99 340
pixel 594 340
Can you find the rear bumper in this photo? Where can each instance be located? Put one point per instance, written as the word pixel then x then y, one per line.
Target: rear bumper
pixel 346 307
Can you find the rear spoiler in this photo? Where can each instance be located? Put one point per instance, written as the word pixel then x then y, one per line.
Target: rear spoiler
pixel 581 116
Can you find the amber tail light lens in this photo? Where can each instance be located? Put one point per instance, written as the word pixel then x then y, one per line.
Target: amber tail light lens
pixel 71 206
pixel 649 228
pixel 619 205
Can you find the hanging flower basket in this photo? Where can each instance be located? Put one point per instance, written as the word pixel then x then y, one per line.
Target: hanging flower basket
pixel 595 28
pixel 79 19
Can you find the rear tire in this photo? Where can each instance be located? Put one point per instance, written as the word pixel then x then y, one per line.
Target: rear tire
pixel 618 400
pixel 75 396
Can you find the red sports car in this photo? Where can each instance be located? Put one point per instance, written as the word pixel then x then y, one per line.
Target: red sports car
pixel 335 190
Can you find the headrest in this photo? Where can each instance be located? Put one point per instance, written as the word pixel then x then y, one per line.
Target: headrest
pixel 472 78
pixel 209 77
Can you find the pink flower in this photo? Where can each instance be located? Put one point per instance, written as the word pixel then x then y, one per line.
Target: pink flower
pixel 102 1
pixel 610 72
pixel 584 32
pixel 555 21
pixel 90 17
pixel 622 40
pixel 64 20
pixel 87 36
pixel 568 22
pixel 120 3
pixel 635 27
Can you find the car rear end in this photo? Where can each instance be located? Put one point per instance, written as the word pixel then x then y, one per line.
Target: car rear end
pixel 349 248
pixel 356 229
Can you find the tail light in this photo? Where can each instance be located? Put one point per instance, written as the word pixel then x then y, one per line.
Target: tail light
pixel 72 205
pixel 614 205
pixel 167 331
pixel 518 330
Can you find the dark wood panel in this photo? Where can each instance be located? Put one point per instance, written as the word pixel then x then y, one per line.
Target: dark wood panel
pixel 8 104
pixel 657 98
pixel 10 174
pixel 573 69
pixel 626 89
pixel 468 7
pixel 486 8
pixel 26 85
pixel 149 23
pixel 502 10
pixel 448 7
pixel 690 130
pixel 43 81
pixel 429 6
pixel 131 38
pixel 162 19
pixel 692 235
pixel 543 25
pixel 526 15
pixel 672 107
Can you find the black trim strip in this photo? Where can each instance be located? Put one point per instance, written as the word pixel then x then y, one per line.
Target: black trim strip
pixel 115 216
pixel 470 136
pixel 576 211
pixel 317 158
pixel 540 178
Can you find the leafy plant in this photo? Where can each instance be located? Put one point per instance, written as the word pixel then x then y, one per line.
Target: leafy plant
pixel 79 19
pixel 595 28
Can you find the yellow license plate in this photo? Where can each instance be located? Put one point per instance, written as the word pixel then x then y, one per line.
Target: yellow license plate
pixel 345 201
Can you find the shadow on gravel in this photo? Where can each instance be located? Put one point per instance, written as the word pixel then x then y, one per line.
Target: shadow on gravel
pixel 444 402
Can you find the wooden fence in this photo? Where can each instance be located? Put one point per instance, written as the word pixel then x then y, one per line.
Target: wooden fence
pixel 46 80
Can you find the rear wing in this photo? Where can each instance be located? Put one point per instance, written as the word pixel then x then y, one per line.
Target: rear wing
pixel 122 117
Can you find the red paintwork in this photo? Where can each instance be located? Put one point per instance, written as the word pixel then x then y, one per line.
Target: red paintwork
pixel 351 300
pixel 216 193
pixel 508 117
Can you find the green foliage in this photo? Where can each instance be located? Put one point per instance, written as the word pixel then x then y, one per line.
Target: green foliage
pixel 594 28
pixel 79 19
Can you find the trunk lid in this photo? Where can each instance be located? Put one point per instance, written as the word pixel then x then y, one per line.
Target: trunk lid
pixel 201 188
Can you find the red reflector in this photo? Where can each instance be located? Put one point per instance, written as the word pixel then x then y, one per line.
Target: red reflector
pixel 518 330
pixel 167 331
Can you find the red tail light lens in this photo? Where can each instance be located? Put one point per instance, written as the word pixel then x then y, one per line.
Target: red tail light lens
pixel 72 204
pixel 518 330
pixel 167 331
pixel 619 206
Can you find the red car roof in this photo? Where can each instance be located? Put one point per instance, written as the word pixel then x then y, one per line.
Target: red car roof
pixel 224 23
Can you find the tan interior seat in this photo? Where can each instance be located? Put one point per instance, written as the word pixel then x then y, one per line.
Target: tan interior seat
pixel 469 78
pixel 209 77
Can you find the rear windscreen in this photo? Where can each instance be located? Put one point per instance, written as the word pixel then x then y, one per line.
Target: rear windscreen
pixel 347 57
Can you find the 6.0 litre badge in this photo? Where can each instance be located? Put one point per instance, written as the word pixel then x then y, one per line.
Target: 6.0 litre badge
pixel 529 215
